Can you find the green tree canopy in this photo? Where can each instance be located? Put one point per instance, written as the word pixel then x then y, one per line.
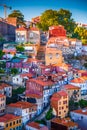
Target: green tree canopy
pixel 1 54
pixel 20 48
pixel 54 17
pixel 14 71
pixel 81 34
pixel 20 17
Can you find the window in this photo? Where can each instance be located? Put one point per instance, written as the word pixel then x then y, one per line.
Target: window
pixel 17 121
pixel 57 55
pixel 50 55
pixel 14 123
pixel 59 108
pixel 11 124
pixel 6 125
pixel 31 35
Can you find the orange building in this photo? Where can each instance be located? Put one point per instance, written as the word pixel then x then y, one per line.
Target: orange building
pixel 10 122
pixel 53 56
pixel 59 103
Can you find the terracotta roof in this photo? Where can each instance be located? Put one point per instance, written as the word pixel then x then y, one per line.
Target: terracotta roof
pixel 65 122
pixel 22 105
pixel 21 29
pixel 33 96
pixel 9 117
pixel 78 80
pixel 26 75
pixel 57 96
pixel 3 85
pixel 1 95
pixel 69 86
pixel 34 125
pixel 80 111
pixel 43 82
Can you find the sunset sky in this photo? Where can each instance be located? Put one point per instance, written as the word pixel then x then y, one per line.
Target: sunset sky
pixel 32 8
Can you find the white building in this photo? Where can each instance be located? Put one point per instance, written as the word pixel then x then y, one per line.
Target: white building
pixel 24 109
pixel 20 79
pixel 80 114
pixel 80 82
pixel 6 89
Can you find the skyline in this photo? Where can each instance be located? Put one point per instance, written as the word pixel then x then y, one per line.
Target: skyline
pixel 34 8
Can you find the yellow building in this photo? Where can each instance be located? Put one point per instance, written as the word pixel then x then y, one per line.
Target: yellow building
pixel 73 92
pixel 59 103
pixel 11 122
pixel 2 103
pixel 53 56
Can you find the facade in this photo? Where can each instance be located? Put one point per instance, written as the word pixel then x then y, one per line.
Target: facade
pixel 24 35
pixel 59 103
pixel 36 99
pixel 53 56
pixel 11 122
pixel 20 79
pixel 73 92
pixel 6 89
pixel 7 30
pixel 2 104
pixel 24 109
pixel 84 49
pixel 80 82
pixel 35 126
pixel 57 31
pixel 80 114
pixel 63 124
pixel 44 86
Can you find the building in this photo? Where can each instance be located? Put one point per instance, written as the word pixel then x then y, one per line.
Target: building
pixel 53 56
pixel 20 79
pixel 80 82
pixel 84 49
pixel 24 109
pixel 7 30
pixel 63 124
pixel 31 35
pixel 11 122
pixel 2 104
pixel 57 31
pixel 59 103
pixel 44 86
pixel 36 99
pixel 6 89
pixel 35 126
pixel 73 92
pixel 77 44
pixel 80 114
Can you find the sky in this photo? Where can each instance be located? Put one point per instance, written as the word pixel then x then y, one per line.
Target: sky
pixel 33 8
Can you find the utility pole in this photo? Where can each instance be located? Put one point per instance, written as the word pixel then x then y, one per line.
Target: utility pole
pixel 5 9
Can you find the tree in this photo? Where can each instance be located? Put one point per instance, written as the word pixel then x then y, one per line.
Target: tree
pixel 53 17
pixel 1 54
pixel 20 17
pixel 83 103
pixel 65 19
pixel 80 33
pixel 48 18
pixel 20 48
pixel 14 71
